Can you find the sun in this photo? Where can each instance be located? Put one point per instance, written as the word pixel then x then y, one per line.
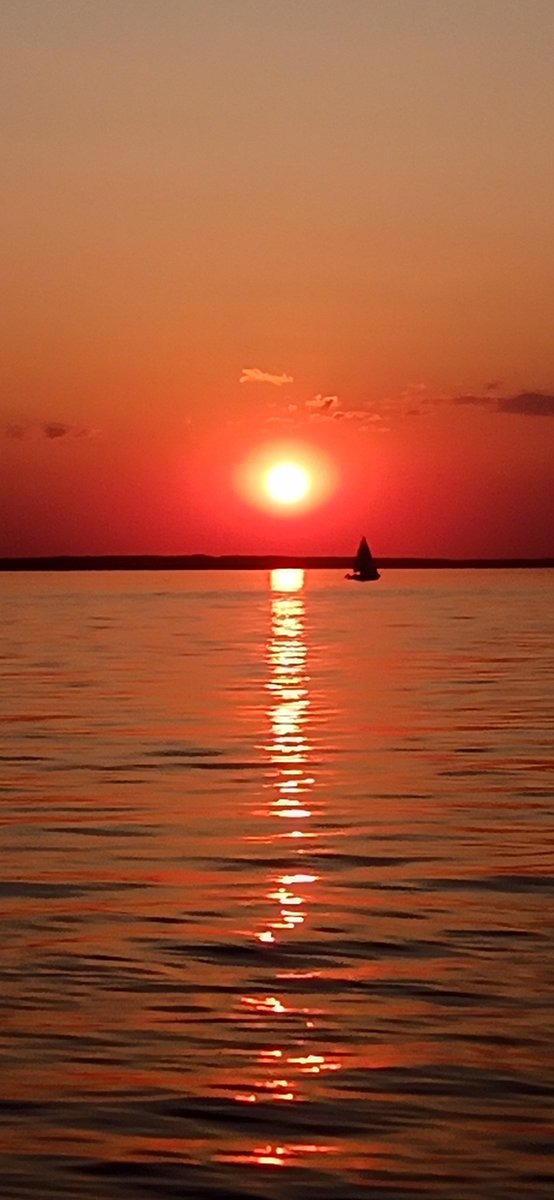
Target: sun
pixel 288 478
pixel 287 483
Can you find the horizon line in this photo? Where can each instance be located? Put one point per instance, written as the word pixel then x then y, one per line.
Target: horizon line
pixel 199 561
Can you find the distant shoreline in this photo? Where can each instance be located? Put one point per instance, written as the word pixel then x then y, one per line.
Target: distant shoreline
pixel 251 562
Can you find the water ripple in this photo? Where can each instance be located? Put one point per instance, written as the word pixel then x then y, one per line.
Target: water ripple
pixel 276 888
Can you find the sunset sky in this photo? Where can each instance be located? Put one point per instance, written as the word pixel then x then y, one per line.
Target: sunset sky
pixel 244 231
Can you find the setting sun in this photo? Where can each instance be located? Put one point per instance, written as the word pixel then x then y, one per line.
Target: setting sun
pixel 287 479
pixel 287 482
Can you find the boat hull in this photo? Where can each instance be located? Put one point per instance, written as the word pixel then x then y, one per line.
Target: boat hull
pixel 364 578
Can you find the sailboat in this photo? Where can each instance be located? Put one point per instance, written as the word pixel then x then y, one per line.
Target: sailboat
pixel 364 565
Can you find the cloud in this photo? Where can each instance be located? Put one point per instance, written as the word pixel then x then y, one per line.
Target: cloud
pixel 481 401
pixel 322 404
pixel 53 429
pixel 328 408
pixel 49 431
pixel 358 414
pixel 528 404
pixel 414 390
pixel 254 375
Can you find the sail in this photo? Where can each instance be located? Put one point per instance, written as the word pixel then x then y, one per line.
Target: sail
pixel 364 565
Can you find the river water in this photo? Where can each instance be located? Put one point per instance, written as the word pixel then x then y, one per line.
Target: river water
pixel 277 886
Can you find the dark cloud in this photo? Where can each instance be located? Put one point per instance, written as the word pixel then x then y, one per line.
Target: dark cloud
pixel 54 429
pixel 529 404
pixel 49 431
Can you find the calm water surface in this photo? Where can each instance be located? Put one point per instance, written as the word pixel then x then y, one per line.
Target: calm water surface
pixel 277 886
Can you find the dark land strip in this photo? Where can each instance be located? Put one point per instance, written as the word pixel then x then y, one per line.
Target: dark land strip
pixel 249 562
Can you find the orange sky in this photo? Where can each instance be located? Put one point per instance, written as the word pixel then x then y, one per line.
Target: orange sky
pixel 346 205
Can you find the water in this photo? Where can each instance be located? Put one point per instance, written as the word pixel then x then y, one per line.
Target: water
pixel 277 883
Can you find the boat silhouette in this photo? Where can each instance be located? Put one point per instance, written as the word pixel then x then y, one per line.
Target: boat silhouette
pixel 364 569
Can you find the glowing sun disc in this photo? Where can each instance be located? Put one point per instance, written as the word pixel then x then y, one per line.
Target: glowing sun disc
pixel 287 483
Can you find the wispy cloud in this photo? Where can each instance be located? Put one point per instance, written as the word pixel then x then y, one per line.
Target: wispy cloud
pixel 381 414
pixel 479 401
pixel 365 420
pixel 322 404
pixel 254 375
pixel 529 404
pixel 49 431
pixel 372 418
pixel 355 414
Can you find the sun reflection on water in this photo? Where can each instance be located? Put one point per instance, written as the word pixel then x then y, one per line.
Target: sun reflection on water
pixel 287 1068
pixel 288 749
